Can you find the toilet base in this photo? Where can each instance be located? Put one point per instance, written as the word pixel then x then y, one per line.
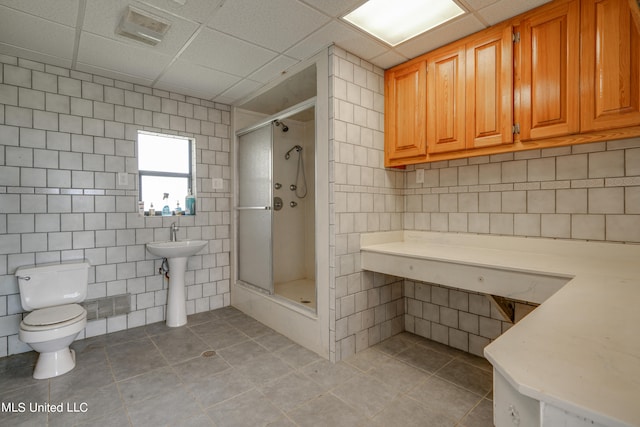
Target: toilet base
pixel 55 363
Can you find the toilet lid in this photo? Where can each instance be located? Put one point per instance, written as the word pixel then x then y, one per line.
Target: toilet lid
pixel 51 315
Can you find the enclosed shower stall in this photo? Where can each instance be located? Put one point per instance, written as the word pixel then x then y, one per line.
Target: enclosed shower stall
pixel 276 208
pixel 281 248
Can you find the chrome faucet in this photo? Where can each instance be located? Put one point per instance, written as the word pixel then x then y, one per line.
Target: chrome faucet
pixel 174 232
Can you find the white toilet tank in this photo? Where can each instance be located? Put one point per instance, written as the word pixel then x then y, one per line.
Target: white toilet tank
pixel 49 285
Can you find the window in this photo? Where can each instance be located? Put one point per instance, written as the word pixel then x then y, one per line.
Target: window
pixel 165 165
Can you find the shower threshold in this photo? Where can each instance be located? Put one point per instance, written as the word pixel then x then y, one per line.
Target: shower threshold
pixel 302 291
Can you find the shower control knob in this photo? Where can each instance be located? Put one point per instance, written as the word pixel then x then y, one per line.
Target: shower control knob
pixel 293 204
pixel 277 186
pixel 293 187
pixel 277 203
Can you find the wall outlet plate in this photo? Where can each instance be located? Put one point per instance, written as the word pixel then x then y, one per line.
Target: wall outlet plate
pixel 419 176
pixel 217 183
pixel 123 178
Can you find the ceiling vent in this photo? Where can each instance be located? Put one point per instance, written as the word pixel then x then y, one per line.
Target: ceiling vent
pixel 142 26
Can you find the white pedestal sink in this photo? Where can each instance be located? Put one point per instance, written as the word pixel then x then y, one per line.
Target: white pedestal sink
pixel 177 254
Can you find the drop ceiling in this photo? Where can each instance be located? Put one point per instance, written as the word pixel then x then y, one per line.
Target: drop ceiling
pixel 220 50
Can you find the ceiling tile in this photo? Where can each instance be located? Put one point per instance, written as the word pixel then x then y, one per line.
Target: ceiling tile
pixel 212 44
pixel 341 34
pixel 335 8
pixel 195 79
pixel 454 30
pixel 273 69
pixel 61 11
pixel 472 5
pixel 102 18
pixel 300 85
pixel 274 24
pixel 195 10
pixel 219 51
pixel 389 59
pixel 31 55
pixel 43 36
pixel 113 74
pixel 121 57
pixel 239 91
pixel 505 9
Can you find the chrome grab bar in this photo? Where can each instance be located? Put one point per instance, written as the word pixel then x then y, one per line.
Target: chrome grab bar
pixel 246 208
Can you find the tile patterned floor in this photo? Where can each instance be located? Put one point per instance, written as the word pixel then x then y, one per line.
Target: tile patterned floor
pixel 253 376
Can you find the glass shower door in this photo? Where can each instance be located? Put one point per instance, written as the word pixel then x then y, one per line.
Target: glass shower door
pixel 254 208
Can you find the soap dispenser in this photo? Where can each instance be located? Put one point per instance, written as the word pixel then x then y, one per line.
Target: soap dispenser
pixel 190 204
pixel 166 211
pixel 178 210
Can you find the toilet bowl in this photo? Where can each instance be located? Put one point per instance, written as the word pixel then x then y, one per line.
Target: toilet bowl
pixel 51 292
pixel 50 331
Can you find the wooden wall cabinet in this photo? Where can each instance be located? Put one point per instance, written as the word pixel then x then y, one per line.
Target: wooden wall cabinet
pixel 470 93
pixel 490 88
pixel 446 124
pixel 464 101
pixel 548 84
pixel 405 114
pixel 610 77
pixel 572 76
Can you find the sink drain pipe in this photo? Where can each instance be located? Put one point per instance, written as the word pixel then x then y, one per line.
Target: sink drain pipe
pixel 164 268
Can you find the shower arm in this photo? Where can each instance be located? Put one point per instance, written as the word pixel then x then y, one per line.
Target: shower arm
pixel 295 147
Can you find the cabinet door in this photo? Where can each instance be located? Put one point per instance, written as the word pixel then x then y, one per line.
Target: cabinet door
pixel 489 102
pixel 550 88
pixel 446 100
pixel 610 76
pixel 405 113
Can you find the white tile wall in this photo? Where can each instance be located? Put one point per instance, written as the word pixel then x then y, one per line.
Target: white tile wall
pixel 463 320
pixel 64 136
pixel 587 192
pixel 365 307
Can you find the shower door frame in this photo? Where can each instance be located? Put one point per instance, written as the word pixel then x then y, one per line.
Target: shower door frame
pixel 305 105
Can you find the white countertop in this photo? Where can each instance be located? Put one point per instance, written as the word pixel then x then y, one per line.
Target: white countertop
pixel 580 350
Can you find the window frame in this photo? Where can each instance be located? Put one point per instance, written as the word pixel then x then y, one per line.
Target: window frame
pixel 161 174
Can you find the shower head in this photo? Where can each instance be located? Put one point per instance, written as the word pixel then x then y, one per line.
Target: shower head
pixel 279 123
pixel 295 147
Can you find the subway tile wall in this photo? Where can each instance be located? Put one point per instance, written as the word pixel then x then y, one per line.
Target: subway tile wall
pixel 584 192
pixel 365 308
pixel 64 137
pixel 464 320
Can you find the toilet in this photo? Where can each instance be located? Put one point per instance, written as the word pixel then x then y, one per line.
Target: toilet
pixel 51 292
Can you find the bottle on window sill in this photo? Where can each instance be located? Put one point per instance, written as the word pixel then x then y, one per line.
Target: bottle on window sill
pixel 166 210
pixel 190 204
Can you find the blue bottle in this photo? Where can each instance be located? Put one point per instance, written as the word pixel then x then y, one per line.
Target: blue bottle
pixel 166 210
pixel 190 204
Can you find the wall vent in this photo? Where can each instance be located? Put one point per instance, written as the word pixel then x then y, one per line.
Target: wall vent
pixel 101 308
pixel 142 26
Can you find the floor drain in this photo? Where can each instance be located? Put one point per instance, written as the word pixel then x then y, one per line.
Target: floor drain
pixel 305 301
pixel 208 353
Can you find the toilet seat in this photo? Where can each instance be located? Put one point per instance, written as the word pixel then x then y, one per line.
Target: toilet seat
pixel 53 317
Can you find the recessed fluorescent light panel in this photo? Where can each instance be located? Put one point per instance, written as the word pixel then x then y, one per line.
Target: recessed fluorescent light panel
pixel 396 21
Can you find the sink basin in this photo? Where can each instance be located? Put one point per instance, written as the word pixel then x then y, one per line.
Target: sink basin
pixel 177 254
pixel 183 248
